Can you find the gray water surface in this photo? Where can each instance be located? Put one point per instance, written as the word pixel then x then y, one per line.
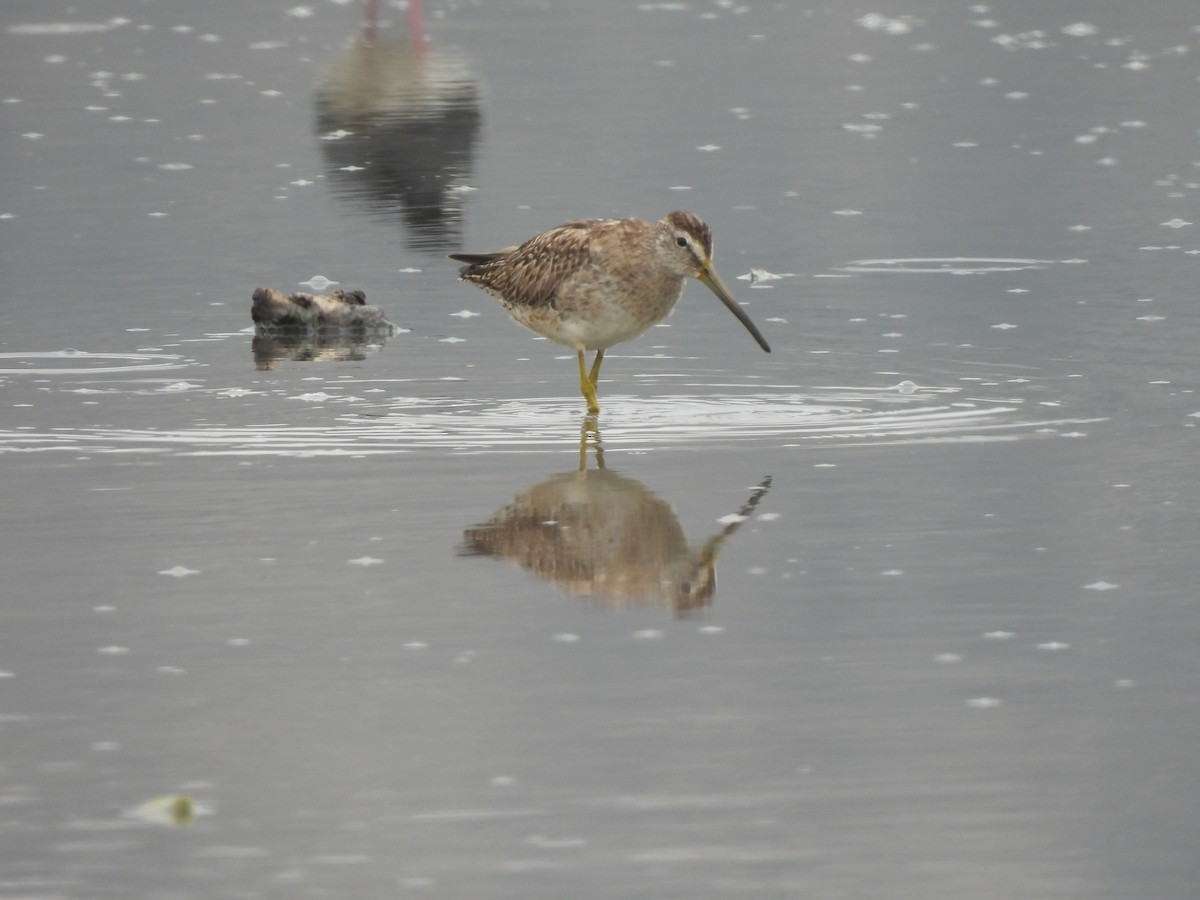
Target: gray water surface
pixel 905 609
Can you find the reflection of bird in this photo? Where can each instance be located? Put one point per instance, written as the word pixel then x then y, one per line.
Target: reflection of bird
pixel 597 282
pixel 399 120
pixel 596 533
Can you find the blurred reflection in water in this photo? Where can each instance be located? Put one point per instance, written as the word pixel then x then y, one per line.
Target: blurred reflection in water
pixel 601 535
pixel 398 122
pixel 297 346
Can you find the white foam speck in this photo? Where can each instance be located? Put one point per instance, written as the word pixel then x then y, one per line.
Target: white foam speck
pixel 879 22
pixel 318 283
pixel 179 572
pixel 983 703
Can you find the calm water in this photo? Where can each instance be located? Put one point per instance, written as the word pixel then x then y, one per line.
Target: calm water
pixel 906 609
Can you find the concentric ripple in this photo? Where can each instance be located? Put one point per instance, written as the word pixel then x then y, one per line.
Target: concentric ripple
pixel 76 362
pixel 840 417
pixel 943 265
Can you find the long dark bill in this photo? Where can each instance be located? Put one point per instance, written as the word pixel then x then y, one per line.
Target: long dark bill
pixel 708 277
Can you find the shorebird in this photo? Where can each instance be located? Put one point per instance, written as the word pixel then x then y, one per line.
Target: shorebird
pixel 594 283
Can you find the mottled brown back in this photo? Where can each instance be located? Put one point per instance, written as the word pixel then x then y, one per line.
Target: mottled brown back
pixel 530 274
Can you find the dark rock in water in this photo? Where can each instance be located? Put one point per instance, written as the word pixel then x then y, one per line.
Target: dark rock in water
pixel 274 312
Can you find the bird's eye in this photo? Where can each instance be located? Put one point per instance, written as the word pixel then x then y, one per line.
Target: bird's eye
pixel 681 241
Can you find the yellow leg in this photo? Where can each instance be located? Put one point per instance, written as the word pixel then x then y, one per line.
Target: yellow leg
pixel 594 375
pixel 586 385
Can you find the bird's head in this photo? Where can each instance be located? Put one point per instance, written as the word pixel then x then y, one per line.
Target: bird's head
pixel 685 246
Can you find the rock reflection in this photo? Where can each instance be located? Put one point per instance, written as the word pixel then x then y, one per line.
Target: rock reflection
pixel 598 534
pixel 271 350
pixel 398 122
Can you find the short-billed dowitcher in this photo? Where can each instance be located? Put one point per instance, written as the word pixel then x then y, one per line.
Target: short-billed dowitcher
pixel 597 282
